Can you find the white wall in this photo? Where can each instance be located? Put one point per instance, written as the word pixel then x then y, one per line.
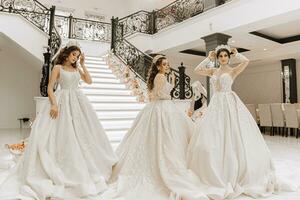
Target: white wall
pixel 19 83
pixel 117 8
pixel 108 8
pixel 148 5
pixel 260 84
pixel 24 34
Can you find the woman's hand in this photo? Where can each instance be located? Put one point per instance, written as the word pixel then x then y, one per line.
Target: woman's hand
pixel 234 51
pixel 212 55
pixel 54 111
pixel 82 59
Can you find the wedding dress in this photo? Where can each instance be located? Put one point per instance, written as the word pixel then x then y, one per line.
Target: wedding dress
pixel 227 150
pixel 152 155
pixel 66 158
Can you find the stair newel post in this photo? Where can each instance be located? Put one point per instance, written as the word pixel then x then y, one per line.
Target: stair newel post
pixel 152 22
pixel 51 24
pixel 45 73
pixel 113 34
pixel 70 26
pixel 10 9
pixel 181 81
pixel 47 57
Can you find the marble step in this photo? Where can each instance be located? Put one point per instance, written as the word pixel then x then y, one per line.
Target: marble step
pixel 106 92
pixel 103 98
pixel 117 86
pixel 120 115
pixel 117 124
pixel 118 106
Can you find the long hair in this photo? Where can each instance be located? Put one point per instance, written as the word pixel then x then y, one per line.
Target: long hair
pixel 153 71
pixel 64 54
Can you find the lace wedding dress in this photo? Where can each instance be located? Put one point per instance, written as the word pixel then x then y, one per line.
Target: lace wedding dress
pixel 152 155
pixel 227 150
pixel 66 158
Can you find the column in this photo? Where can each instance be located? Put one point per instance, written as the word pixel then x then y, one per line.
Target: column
pixel 289 80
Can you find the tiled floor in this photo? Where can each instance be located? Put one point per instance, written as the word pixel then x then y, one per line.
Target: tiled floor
pixel 285 152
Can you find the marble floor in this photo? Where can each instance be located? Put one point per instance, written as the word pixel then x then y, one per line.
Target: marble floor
pixel 285 152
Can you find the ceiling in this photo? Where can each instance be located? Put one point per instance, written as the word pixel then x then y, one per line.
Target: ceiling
pixel 262 50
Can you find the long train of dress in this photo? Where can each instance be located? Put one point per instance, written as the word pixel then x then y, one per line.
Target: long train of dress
pixel 152 156
pixel 227 150
pixel 66 158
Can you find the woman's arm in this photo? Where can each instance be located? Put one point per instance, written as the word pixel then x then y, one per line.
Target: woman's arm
pixel 85 75
pixel 53 78
pixel 242 66
pixel 202 69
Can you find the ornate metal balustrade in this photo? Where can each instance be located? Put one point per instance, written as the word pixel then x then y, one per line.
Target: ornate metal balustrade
pixel 182 88
pixel 152 22
pixel 137 22
pixel 140 62
pixel 176 12
pixel 83 29
pixel 32 10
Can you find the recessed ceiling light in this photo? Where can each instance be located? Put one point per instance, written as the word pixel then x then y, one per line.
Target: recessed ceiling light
pixel 265 49
pixel 233 41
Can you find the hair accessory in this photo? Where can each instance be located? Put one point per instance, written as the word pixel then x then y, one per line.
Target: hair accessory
pixel 222 46
pixel 72 43
pixel 155 59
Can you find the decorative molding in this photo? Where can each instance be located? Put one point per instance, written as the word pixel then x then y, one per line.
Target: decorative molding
pixel 278 40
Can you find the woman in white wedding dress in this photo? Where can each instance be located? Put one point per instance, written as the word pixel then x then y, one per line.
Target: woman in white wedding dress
pixel 68 155
pixel 152 155
pixel 227 150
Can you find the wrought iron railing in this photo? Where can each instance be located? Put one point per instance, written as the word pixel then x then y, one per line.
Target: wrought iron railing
pixel 176 12
pixel 151 22
pixel 136 22
pixel 140 62
pixel 32 10
pixel 83 29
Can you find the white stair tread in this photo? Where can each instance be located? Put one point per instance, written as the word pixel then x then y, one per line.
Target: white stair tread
pixel 98 66
pixel 121 106
pixel 106 92
pixel 117 114
pixel 103 75
pixel 98 58
pixel 104 86
pixel 96 62
pixel 116 133
pixel 117 124
pixel 106 80
pixel 115 136
pixel 99 70
pixel 111 98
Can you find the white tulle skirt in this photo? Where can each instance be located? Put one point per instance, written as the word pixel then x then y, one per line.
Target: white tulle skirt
pixel 66 158
pixel 152 163
pixel 228 152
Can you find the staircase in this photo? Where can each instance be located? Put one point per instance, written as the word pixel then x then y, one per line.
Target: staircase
pixel 116 108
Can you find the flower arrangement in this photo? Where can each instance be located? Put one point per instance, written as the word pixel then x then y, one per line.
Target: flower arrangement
pixel 126 76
